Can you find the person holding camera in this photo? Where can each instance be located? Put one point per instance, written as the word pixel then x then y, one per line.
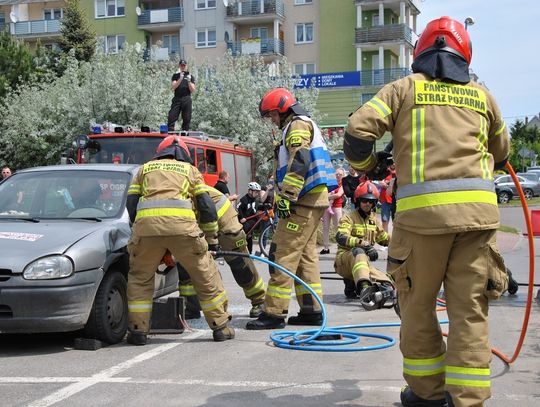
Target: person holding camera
pixel 183 85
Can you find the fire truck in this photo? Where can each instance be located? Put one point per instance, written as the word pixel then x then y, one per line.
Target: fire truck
pixel 210 154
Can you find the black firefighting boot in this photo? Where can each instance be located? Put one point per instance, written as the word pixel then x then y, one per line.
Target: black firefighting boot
pixel 303 318
pixel 136 338
pixel 193 308
pixel 409 399
pixel 350 288
pixel 266 321
pixel 223 334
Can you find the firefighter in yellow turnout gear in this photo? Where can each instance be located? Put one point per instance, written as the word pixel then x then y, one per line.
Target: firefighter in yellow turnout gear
pixel 448 137
pixel 160 203
pixel 304 175
pixel 231 237
pixel 357 232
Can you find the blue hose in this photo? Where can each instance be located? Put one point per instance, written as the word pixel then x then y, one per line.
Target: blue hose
pixel 307 339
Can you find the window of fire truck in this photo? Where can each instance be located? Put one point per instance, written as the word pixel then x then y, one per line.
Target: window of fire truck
pixel 132 150
pixel 211 161
pixel 201 163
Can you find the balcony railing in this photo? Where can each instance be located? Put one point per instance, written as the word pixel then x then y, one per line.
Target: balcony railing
pixel 37 27
pixel 256 7
pixel 168 15
pixel 381 33
pixel 379 77
pixel 270 46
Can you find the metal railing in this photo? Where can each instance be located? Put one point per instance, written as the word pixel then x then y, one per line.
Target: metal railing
pixel 169 15
pixel 256 7
pixel 37 27
pixel 269 46
pixel 381 33
pixel 379 77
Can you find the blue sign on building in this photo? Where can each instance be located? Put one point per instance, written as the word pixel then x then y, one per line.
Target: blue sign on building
pixel 328 80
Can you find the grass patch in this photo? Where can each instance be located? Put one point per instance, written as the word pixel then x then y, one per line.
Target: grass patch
pixel 508 229
pixel 517 202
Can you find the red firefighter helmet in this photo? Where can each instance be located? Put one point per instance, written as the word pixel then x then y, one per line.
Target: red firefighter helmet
pixel 279 99
pixel 175 147
pixel 445 34
pixel 366 190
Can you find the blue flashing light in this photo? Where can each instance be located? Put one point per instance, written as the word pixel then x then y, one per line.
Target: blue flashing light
pixel 163 128
pixel 96 129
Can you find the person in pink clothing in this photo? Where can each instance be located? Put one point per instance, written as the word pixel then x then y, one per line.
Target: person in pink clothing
pixel 334 212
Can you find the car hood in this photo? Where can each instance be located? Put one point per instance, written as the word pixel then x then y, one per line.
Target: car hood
pixel 22 242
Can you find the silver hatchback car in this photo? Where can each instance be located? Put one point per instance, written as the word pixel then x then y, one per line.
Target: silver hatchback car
pixel 506 189
pixel 63 243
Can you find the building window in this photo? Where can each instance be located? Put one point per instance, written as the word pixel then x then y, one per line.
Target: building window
pixel 206 38
pixel 110 8
pixel 304 33
pixel 53 13
pixel 297 2
pixel 111 44
pixel 172 43
pixel 54 47
pixel 304 69
pixel 204 4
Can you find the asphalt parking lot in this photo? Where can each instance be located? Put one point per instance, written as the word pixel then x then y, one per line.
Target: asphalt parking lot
pixel 191 370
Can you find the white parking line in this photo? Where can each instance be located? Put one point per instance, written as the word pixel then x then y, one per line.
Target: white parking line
pixel 106 375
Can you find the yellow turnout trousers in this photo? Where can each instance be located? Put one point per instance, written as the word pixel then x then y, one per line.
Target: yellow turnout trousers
pixel 294 246
pixel 145 254
pixel 462 263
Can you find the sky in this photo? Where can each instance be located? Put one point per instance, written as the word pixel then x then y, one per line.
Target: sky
pixel 506 52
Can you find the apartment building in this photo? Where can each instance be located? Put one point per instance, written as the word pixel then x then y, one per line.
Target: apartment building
pixel 347 48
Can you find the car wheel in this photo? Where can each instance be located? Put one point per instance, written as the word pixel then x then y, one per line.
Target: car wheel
pixel 504 197
pixel 108 319
pixel 528 193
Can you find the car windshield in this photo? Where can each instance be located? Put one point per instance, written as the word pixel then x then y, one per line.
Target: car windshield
pixel 62 194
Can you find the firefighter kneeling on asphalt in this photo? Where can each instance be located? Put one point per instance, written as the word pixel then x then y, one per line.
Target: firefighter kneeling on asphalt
pixel 357 232
pixel 231 238
pixel 160 205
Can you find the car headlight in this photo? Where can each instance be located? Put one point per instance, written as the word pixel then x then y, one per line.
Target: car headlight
pixel 49 268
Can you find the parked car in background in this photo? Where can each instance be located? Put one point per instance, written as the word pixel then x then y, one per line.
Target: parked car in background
pixel 532 175
pixel 506 189
pixel 63 237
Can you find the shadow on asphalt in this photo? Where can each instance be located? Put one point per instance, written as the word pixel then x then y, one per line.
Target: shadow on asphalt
pixel 343 393
pixel 16 345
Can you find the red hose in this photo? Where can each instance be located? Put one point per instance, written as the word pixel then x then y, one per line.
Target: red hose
pixel 528 306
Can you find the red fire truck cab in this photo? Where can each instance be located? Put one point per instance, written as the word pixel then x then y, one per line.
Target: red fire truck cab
pixel 210 154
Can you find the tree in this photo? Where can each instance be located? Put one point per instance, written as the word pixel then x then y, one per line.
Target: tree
pixel 16 63
pixel 523 139
pixel 41 120
pixel 76 33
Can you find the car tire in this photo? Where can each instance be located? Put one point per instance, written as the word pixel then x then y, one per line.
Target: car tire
pixel 504 197
pixel 528 193
pixel 108 319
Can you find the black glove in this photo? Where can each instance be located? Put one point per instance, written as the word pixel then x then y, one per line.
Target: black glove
pixel 384 160
pixel 283 207
pixel 371 252
pixel 214 248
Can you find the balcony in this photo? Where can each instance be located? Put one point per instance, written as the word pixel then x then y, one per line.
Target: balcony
pixel 161 20
pixel 393 5
pixel 260 11
pixel 269 46
pixel 380 77
pixel 36 28
pixel 384 33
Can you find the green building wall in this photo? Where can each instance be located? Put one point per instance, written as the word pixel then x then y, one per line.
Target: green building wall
pixel 125 25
